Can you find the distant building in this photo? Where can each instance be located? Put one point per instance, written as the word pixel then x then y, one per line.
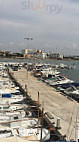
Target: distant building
pixel 28 52
pixel 41 55
pixel 4 53
pixel 55 56
pixel 31 53
pixel 44 55
pixel 9 54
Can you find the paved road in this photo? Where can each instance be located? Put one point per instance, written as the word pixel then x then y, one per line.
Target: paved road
pixel 54 102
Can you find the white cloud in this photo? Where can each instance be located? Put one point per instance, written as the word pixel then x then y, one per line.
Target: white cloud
pixel 47 29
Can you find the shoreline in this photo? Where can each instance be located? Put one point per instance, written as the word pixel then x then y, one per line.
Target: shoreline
pixel 22 58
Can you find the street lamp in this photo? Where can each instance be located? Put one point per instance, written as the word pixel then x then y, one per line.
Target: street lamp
pixel 27 38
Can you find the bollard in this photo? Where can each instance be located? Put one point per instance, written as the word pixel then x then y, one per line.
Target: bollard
pixel 58 123
pixel 26 89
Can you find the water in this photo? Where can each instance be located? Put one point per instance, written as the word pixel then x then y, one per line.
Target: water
pixel 70 73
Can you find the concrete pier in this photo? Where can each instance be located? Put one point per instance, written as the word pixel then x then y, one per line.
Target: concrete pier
pixel 56 105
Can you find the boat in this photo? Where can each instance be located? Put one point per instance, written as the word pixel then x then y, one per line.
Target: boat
pixel 5 133
pixel 12 107
pixel 73 92
pixel 24 133
pixel 61 81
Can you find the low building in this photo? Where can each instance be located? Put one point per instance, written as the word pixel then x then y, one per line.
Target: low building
pixel 28 52
pixel 55 56
pixel 41 55
pixel 4 53
pixel 31 53
pixel 44 55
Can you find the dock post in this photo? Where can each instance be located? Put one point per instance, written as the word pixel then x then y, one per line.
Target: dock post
pixel 42 118
pixel 58 123
pixel 38 108
pixel 26 89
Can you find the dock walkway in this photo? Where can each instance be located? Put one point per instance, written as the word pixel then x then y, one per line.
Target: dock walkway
pixel 58 105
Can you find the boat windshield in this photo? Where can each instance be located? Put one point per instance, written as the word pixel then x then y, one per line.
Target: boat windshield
pixel 77 87
pixel 70 89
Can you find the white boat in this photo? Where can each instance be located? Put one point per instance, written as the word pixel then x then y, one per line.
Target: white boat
pixel 5 133
pixel 23 132
pixel 24 123
pixel 13 113
pixel 4 74
pixel 72 91
pixel 49 71
pixel 11 94
pixel 62 81
pixel 11 107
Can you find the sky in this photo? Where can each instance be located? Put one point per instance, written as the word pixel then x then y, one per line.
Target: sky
pixel 53 25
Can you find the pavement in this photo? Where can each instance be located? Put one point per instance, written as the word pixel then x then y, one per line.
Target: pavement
pixel 58 105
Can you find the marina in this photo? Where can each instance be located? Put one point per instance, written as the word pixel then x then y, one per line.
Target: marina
pixel 35 103
pixel 52 103
pixel 16 116
pixel 39 71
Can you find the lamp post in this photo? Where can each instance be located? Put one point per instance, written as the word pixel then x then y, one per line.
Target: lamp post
pixel 27 38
